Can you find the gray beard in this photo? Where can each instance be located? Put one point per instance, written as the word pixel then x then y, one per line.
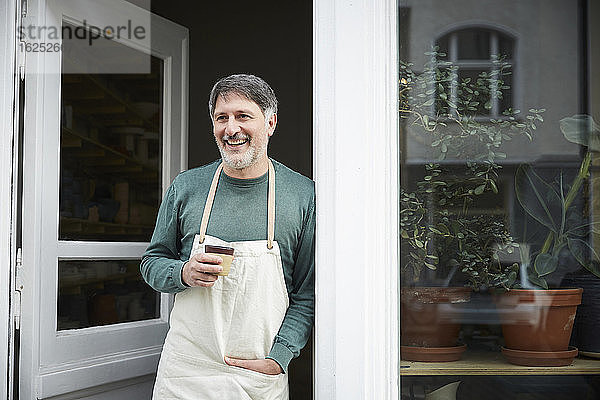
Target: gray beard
pixel 247 159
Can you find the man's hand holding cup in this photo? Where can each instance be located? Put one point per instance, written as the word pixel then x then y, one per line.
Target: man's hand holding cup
pixel 201 270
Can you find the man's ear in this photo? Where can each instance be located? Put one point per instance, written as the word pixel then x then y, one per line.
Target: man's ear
pixel 271 124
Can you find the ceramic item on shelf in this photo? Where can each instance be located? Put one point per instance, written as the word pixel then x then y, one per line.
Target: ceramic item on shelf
pixel 122 196
pixel 446 392
pixel 146 109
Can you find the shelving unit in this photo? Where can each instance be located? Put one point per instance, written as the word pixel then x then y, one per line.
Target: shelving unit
pixel 104 156
pixel 493 363
pixel 110 136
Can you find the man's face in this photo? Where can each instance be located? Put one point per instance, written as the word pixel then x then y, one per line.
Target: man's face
pixel 240 130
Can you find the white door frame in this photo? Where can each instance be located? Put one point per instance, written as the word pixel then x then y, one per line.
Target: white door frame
pixel 356 173
pixel 7 124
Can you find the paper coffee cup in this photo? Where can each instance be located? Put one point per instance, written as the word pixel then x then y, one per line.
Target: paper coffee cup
pixel 226 253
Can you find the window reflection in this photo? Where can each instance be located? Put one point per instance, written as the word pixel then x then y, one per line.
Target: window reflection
pixel 500 150
pixel 480 53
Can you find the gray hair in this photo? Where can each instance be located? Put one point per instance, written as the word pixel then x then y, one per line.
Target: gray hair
pixel 249 86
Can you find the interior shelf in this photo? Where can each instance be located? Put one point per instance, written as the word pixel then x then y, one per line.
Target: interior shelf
pixel 76 224
pixel 493 363
pixel 75 139
pixel 77 283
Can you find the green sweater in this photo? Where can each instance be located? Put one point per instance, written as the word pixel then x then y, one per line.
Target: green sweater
pixel 239 213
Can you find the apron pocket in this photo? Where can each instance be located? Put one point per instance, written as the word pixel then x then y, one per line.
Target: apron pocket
pixel 255 374
pixel 261 386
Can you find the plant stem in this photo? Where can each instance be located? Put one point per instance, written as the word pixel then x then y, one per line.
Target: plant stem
pixel 581 175
pixel 547 242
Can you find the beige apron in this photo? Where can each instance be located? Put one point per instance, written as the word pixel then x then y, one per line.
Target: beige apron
pixel 238 316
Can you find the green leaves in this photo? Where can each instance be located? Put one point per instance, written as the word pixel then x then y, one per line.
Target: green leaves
pixel 479 189
pixel 546 203
pixel 536 280
pixel 580 250
pixel 581 129
pixel 538 198
pixel 545 264
pixel 439 105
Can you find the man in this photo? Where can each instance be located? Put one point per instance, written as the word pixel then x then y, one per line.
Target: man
pixel 232 337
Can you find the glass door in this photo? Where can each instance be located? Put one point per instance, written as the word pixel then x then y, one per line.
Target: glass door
pixel 109 191
pixel 106 133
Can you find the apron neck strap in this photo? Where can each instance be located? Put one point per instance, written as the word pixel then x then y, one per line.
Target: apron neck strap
pixel 270 205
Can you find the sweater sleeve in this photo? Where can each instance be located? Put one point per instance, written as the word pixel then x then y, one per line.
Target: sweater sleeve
pixel 298 321
pixel 161 265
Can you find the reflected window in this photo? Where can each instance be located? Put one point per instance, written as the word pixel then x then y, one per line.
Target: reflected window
pixel 480 56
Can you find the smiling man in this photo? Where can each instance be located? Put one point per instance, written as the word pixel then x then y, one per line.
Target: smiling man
pixel 233 336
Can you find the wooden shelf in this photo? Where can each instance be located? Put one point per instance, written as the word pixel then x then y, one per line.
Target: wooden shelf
pixel 493 363
pixel 68 283
pixel 83 226
pixel 105 224
pixel 122 100
pixel 74 139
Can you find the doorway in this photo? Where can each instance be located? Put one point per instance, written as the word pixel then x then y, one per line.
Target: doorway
pixel 273 40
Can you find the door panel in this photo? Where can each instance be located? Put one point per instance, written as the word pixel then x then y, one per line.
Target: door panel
pixel 102 144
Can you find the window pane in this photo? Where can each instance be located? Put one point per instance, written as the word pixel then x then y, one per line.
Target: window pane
pixel 93 293
pixel 499 210
pixel 474 91
pixel 110 154
pixel 505 46
pixel 443 48
pixel 473 44
pixel 506 100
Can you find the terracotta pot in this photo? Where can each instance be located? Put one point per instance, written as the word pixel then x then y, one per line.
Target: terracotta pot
pixel 430 316
pixel 538 320
pixel 432 354
pixel 540 358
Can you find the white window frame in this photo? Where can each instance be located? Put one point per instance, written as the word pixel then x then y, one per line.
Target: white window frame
pixel 7 130
pixel 54 363
pixel 355 89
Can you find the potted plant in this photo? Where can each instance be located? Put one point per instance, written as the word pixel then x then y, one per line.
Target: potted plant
pixel 537 316
pixel 447 249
